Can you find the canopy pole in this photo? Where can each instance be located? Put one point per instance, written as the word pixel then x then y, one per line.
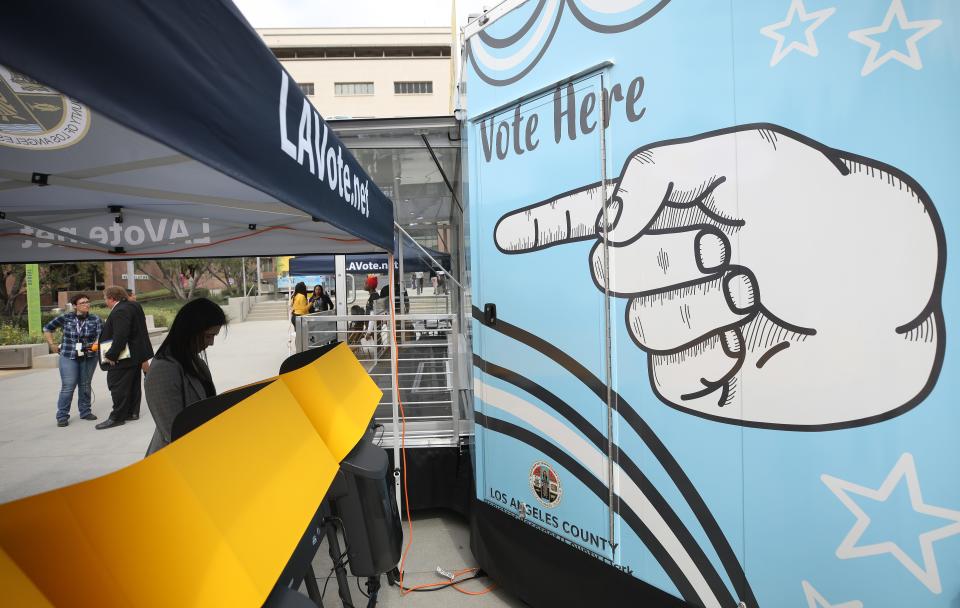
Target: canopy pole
pixel 399 281
pixel 243 265
pixel 340 301
pixel 395 393
pixel 258 275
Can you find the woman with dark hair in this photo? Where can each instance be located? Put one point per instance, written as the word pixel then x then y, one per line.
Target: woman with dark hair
pixel 320 301
pixel 179 376
pixel 299 305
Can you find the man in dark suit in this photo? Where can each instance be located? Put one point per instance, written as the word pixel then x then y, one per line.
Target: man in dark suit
pixel 126 356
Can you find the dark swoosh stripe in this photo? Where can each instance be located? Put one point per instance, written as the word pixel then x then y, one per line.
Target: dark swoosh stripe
pixel 559 405
pixel 501 43
pixel 659 503
pixel 721 545
pixel 596 486
pixel 502 83
pixel 614 29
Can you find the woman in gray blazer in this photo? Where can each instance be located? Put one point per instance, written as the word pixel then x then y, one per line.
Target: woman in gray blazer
pixel 179 376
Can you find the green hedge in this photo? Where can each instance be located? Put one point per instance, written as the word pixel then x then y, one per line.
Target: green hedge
pixel 11 333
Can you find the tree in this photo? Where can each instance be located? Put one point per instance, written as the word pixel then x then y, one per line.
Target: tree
pixel 68 276
pixel 54 277
pixel 228 271
pixel 179 276
pixel 85 276
pixel 11 286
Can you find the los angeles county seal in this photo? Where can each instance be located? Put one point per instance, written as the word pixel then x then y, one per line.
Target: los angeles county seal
pixel 545 484
pixel 35 117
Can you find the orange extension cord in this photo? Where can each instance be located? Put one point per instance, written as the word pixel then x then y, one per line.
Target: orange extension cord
pixel 403 457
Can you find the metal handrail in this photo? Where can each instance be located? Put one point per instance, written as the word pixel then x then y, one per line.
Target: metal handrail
pixel 426 359
pixel 398 317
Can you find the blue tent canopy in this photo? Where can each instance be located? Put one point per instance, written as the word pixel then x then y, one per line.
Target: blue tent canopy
pixel 375 263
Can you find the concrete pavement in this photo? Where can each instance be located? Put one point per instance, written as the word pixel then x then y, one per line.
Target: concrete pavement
pixel 36 455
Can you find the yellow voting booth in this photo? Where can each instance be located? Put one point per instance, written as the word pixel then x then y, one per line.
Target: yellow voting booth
pixel 211 519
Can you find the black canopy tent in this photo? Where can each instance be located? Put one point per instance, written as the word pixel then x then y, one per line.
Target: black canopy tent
pixel 151 130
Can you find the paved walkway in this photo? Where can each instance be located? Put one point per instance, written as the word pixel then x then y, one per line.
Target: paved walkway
pixel 439 540
pixel 36 455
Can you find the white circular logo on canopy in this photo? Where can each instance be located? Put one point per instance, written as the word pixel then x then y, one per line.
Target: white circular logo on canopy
pixel 35 117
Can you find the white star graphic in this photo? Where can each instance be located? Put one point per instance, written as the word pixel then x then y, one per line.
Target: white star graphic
pixel 912 60
pixel 796 10
pixel 905 468
pixel 815 600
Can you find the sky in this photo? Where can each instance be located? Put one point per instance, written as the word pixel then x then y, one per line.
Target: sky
pixel 357 13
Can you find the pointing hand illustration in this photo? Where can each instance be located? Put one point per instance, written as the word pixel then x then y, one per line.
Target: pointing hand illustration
pixel 772 281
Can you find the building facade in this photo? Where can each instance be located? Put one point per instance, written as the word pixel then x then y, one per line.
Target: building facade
pixel 369 72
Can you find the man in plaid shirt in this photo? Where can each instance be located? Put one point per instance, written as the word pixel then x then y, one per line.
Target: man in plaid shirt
pixel 81 330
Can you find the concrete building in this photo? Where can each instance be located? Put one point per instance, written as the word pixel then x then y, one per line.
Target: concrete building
pixel 370 72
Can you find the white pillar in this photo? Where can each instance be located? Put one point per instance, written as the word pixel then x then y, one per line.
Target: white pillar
pixel 340 280
pixel 131 281
pixel 243 265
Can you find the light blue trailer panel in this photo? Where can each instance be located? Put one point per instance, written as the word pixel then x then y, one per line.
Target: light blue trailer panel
pixel 716 237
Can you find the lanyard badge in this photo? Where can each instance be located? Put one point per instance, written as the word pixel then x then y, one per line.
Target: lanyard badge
pixel 79 345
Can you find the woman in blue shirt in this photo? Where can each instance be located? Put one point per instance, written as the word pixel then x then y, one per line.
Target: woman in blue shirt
pixel 78 358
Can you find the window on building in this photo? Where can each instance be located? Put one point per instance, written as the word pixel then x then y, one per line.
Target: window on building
pixel 347 89
pixel 413 88
pixel 306 87
pixel 366 51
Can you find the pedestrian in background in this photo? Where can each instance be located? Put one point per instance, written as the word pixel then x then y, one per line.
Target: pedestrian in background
pixel 299 305
pixel 125 354
pixel 78 359
pixel 400 301
pixel 372 295
pixel 135 405
pixel 442 282
pixel 319 300
pixel 179 376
